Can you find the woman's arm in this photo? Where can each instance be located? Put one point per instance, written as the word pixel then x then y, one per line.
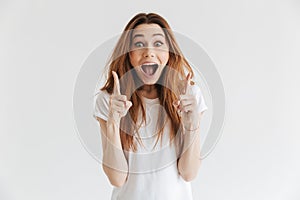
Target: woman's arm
pixel 188 109
pixel 189 162
pixel 114 162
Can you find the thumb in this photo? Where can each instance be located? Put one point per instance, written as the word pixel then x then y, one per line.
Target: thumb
pixel 128 104
pixel 116 83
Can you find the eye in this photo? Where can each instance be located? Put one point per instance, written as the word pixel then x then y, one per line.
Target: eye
pixel 138 44
pixel 158 43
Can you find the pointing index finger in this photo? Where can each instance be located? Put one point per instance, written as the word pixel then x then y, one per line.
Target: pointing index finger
pixel 188 83
pixel 116 83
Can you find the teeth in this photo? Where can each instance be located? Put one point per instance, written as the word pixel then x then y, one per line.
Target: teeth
pixel 149 64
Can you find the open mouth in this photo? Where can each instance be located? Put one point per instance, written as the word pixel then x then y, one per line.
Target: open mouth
pixel 149 69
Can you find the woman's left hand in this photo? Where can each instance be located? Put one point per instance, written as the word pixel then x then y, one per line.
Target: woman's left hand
pixel 186 107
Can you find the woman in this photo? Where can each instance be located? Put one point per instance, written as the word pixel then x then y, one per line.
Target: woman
pixel 150 117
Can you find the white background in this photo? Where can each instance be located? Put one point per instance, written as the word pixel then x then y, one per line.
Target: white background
pixel 254 45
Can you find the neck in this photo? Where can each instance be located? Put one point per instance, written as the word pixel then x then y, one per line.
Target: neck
pixel 149 91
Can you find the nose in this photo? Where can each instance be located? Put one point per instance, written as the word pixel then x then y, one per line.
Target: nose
pixel 148 52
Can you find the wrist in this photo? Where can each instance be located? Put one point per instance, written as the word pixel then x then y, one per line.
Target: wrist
pixel 191 126
pixel 113 121
pixel 114 118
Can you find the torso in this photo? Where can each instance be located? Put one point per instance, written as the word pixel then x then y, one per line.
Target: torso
pixel 153 173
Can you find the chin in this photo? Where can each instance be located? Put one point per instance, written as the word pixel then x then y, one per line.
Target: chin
pixel 150 82
pixel 147 81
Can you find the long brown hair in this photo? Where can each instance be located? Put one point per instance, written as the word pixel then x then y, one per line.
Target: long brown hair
pixel 171 77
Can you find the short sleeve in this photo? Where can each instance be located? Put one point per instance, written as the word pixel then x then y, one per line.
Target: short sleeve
pixel 101 105
pixel 200 99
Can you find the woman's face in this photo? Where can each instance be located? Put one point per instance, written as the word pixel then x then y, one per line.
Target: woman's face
pixel 149 52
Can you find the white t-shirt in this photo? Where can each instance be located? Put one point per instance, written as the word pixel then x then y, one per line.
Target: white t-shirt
pixel 153 173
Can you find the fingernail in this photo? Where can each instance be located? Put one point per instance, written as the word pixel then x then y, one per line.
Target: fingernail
pixel 129 104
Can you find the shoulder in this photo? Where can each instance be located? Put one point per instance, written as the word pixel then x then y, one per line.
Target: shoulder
pixel 195 89
pixel 101 104
pixel 101 98
pixel 102 94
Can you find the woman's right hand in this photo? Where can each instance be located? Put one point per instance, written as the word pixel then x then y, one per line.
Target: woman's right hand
pixel 118 104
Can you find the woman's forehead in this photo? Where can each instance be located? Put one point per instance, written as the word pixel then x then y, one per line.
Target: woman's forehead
pixel 148 30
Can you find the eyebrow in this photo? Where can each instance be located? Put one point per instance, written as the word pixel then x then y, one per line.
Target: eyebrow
pixel 141 35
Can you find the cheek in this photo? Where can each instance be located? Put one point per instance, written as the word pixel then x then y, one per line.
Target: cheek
pixel 133 57
pixel 165 58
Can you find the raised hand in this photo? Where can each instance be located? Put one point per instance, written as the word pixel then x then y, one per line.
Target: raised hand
pixel 118 104
pixel 186 106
